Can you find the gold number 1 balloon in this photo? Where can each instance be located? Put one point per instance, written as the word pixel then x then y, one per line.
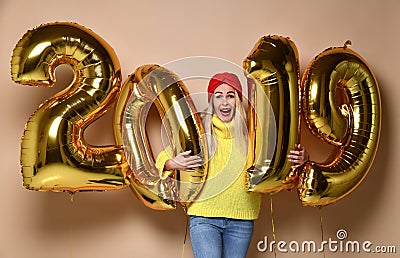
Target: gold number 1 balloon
pixel 342 106
pixel 54 154
pixel 273 69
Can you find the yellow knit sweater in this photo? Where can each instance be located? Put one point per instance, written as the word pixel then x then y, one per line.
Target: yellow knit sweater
pixel 224 193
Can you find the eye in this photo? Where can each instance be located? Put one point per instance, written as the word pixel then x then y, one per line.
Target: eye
pixel 218 96
pixel 231 96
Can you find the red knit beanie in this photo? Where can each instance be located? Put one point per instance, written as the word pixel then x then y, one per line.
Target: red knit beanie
pixel 228 78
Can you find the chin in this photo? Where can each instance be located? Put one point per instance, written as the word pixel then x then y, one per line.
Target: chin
pixel 226 118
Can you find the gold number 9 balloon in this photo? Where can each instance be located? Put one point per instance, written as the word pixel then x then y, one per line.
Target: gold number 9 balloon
pixel 273 69
pixel 341 105
pixel 154 84
pixel 54 154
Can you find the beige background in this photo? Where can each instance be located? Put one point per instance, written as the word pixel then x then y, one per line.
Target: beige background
pixel 116 224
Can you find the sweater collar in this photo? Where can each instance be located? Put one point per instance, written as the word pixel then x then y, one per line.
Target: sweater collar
pixel 223 129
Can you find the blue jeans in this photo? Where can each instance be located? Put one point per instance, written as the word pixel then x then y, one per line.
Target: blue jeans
pixel 220 237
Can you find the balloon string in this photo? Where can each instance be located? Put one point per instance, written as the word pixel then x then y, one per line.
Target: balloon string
pixel 273 224
pixel 71 196
pixel 72 224
pixel 322 226
pixel 184 239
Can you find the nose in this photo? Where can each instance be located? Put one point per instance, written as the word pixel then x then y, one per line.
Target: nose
pixel 225 101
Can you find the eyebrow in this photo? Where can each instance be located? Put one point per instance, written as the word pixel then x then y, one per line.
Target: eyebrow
pixel 229 92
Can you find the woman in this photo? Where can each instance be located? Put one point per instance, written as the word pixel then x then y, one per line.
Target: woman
pixel 222 217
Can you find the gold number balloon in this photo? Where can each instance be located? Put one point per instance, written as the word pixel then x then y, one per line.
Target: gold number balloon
pixel 273 113
pixel 341 105
pixel 154 84
pixel 54 154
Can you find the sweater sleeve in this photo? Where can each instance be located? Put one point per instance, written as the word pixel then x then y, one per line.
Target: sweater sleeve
pixel 161 159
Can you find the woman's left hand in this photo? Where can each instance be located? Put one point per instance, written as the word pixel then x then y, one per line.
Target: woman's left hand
pixel 299 156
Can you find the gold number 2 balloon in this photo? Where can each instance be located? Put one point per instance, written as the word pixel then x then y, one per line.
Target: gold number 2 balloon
pixel 154 84
pixel 54 154
pixel 342 106
pixel 273 69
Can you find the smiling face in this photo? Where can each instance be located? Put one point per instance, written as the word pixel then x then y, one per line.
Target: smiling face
pixel 224 102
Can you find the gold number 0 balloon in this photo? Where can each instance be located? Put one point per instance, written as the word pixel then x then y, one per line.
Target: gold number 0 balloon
pixel 273 112
pixel 341 105
pixel 54 154
pixel 154 84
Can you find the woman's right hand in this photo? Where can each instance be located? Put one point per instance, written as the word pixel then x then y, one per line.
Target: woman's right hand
pixel 184 161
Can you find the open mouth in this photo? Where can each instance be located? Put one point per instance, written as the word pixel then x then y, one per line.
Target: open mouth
pixel 225 111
